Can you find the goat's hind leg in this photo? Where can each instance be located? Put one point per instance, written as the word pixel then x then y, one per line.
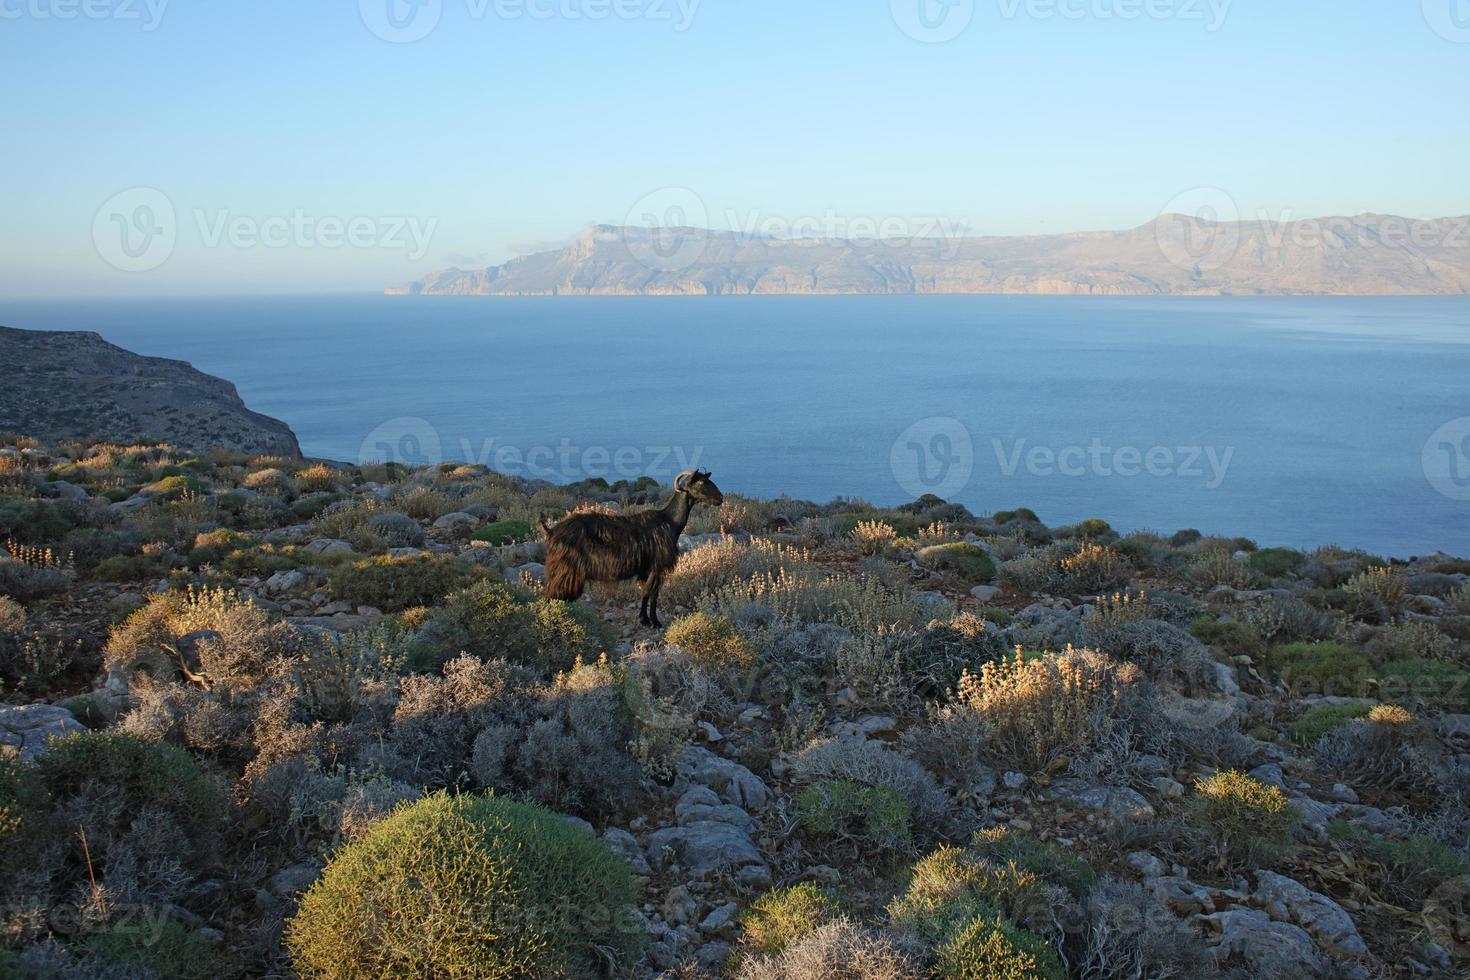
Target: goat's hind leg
pixel 653 593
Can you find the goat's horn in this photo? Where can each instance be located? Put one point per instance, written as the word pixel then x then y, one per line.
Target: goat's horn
pixel 679 480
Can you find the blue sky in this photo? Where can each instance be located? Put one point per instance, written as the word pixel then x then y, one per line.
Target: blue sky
pixel 514 123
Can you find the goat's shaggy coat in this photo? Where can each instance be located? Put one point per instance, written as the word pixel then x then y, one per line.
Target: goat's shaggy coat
pixel 591 547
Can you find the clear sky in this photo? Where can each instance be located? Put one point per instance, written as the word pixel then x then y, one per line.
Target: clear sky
pixel 254 138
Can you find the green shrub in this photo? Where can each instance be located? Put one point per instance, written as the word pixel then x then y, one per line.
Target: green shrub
pixel 1322 668
pixel 1019 514
pixel 710 641
pixel 393 584
pixel 503 532
pixel 846 811
pixel 494 620
pixel 990 948
pixel 312 505
pixel 1325 718
pixel 1276 562
pixel 139 774
pixel 781 917
pixel 165 946
pixel 1242 820
pixel 1432 683
pixel 466 886
pixel 174 487
pixel 17 803
pixel 950 887
pixel 1232 638
pixel 1409 869
pixel 129 568
pixel 1050 862
pixel 20 580
pixel 970 562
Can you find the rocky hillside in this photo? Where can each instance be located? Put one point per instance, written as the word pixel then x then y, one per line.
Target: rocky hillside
pixel 266 718
pixel 1175 255
pixel 75 385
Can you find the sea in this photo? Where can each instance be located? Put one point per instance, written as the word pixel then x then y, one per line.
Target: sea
pixel 1292 421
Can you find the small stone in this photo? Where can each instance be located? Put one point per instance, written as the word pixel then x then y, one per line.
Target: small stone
pixel 1270 774
pixel 1169 789
pixel 1024 826
pixel 1146 864
pixel 721 918
pixel 679 906
pixel 1013 780
pixel 284 581
pixel 1343 793
pixel 985 592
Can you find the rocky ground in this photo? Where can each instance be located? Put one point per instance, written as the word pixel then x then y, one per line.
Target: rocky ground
pixel 1212 758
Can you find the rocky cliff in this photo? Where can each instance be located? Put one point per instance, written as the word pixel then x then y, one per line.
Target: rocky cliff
pixel 73 384
pixel 1175 255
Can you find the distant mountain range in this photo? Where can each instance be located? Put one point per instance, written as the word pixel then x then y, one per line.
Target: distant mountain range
pixel 1175 255
pixel 74 385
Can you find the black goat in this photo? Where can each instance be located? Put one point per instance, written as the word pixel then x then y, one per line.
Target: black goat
pixel 590 547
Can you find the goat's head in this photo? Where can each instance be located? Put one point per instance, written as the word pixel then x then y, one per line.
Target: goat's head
pixel 699 486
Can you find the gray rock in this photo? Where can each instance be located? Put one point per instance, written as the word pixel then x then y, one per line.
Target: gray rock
pixel 1013 780
pixel 1266 948
pixel 702 847
pixel 457 524
pixel 721 918
pixel 1148 865
pixel 1114 803
pixel 1288 900
pixel 329 546
pixel 404 552
pixel 625 846
pixel 29 728
pixel 532 569
pixel 579 822
pixel 701 803
pixel 985 592
pixel 292 881
pixel 135 502
pixel 1314 815
pixel 712 956
pixel 65 490
pixel 1270 774
pixel 1180 895
pixel 733 782
pixel 285 581
pixel 1167 787
pixel 679 906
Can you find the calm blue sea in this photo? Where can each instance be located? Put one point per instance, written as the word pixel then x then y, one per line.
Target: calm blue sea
pixel 1293 421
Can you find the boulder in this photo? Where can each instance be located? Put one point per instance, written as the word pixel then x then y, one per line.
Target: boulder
pixel 1115 804
pixel 329 546
pixel 1288 900
pixel 730 780
pixel 1265 947
pixel 29 728
pixel 703 847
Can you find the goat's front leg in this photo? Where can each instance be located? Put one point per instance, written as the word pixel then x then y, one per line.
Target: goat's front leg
pixel 645 589
pixel 657 587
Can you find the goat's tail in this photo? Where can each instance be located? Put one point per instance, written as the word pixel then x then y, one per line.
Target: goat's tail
pixel 565 575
